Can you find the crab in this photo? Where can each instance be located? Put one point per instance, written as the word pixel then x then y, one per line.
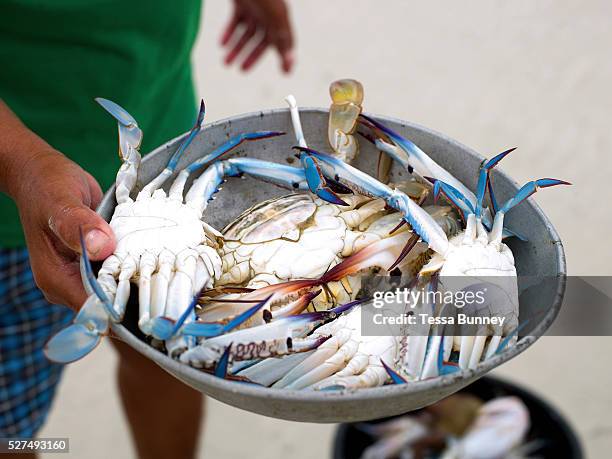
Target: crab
pixel 461 426
pixel 163 244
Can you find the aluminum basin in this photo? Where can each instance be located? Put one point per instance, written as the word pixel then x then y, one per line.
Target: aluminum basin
pixel 541 255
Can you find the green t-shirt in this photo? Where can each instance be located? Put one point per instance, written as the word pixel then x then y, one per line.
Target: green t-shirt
pixel 57 55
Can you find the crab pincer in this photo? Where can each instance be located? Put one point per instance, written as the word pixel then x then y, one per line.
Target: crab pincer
pixel 90 324
pixel 317 182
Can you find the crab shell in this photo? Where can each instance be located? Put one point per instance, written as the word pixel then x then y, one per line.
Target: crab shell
pixel 299 236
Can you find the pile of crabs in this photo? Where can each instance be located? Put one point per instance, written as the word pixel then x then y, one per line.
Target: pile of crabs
pixel 272 298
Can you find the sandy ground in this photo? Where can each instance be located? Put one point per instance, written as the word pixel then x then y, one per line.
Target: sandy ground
pixel 492 74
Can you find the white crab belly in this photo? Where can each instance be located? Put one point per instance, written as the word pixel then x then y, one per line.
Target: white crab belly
pixel 487 269
pixel 156 224
pixel 478 260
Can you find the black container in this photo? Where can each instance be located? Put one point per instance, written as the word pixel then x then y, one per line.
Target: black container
pixel 559 439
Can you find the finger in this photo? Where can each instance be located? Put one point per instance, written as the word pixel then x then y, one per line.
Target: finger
pixel 95 192
pixel 66 220
pixel 282 39
pixel 230 29
pixel 71 289
pixel 255 54
pixel 248 34
pixel 286 61
pixel 59 281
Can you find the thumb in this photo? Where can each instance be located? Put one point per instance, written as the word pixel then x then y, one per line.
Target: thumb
pixel 69 218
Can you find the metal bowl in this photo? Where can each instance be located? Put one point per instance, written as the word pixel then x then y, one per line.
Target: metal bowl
pixel 552 432
pixel 541 255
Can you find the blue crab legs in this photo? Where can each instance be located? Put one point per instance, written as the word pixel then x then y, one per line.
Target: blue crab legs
pixel 279 337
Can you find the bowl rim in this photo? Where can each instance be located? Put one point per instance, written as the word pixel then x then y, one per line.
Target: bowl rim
pixel 351 395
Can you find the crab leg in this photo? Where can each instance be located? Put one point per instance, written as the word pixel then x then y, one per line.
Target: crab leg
pixel 178 186
pixel 180 291
pixel 483 181
pixel 208 183
pixel 368 372
pixel 164 328
pixel 277 338
pixel 526 190
pixel 158 181
pixel 329 358
pixel 282 294
pixel 274 339
pixel 269 371
pixel 295 120
pixel 159 290
pixel 411 157
pixel 421 222
pixel 148 263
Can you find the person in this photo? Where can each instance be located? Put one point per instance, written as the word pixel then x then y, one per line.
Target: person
pixel 56 155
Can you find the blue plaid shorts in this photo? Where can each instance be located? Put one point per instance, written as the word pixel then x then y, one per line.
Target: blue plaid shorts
pixel 27 379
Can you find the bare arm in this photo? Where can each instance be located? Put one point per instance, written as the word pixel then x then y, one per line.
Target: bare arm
pixel 55 198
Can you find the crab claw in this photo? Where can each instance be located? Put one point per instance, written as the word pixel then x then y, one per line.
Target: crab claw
pixel 90 324
pixel 158 181
pixel 130 134
pixel 316 180
pixel 72 343
pixel 82 336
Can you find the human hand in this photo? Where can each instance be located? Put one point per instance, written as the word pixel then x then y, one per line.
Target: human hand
pixel 56 198
pixel 259 24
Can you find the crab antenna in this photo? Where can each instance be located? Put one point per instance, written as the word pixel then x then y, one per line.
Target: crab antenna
pixel 483 179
